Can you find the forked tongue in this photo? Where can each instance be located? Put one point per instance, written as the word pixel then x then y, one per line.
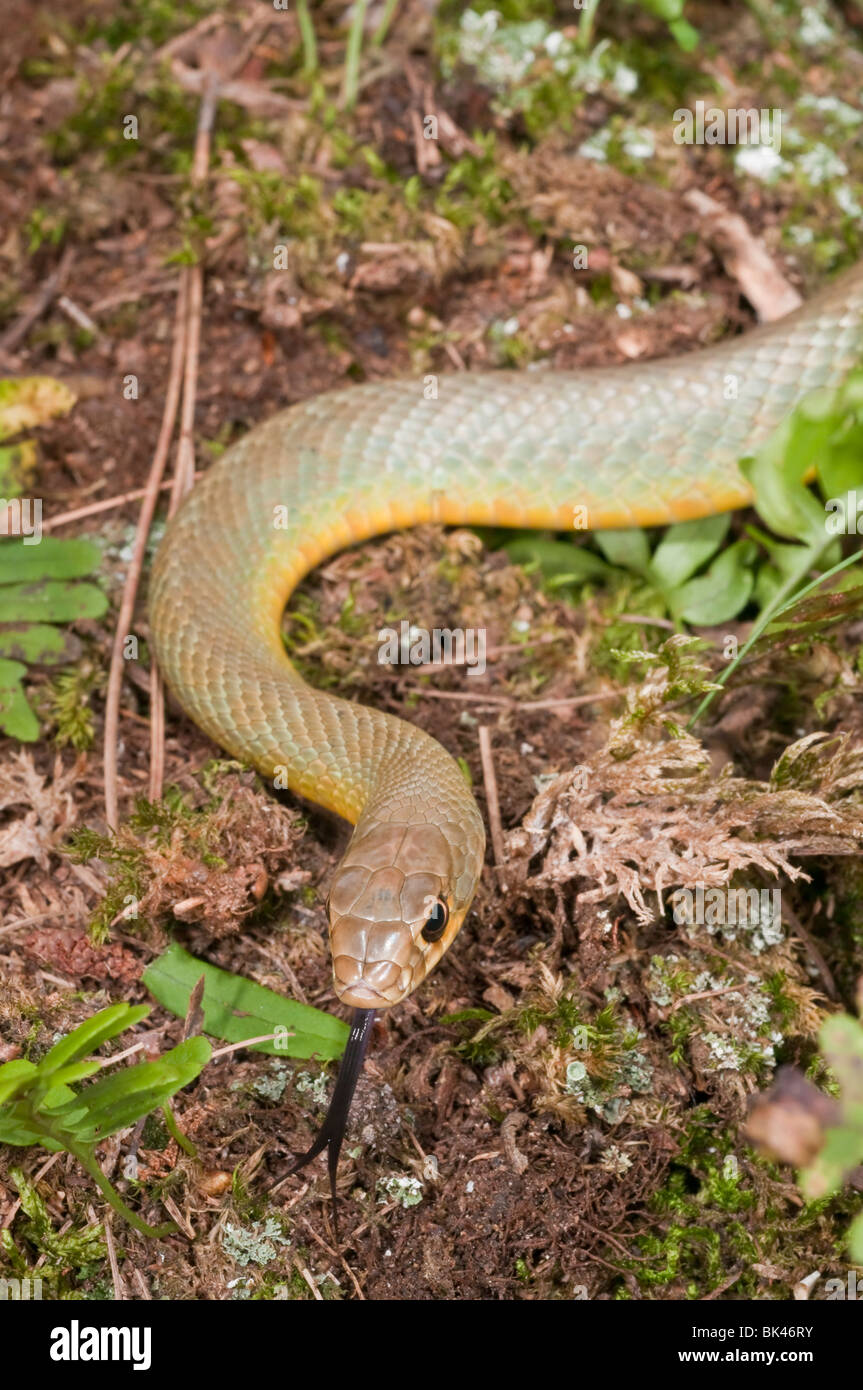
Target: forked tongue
pixel 332 1131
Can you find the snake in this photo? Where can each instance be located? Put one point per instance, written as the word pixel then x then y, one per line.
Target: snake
pixel 646 443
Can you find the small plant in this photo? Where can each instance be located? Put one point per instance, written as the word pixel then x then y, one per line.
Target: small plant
pixel 36 572
pixel 691 577
pixel 841 1041
pixel 77 1251
pixel 237 1009
pixel 39 1106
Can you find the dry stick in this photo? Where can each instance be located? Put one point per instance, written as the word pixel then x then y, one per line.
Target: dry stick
pixel 812 951
pixel 107 504
pixel 491 797
pixel 306 1274
pixel 130 589
pixel 508 703
pixel 120 1293
pixel 192 292
pixel 21 327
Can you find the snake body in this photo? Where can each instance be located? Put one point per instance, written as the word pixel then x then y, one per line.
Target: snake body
pixel 644 444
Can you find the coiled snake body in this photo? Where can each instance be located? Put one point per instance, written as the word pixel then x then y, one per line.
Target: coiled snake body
pixel 645 444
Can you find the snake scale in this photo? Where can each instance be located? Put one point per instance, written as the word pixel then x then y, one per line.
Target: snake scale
pixel 643 444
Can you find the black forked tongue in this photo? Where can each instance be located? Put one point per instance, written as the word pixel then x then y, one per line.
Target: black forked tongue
pixel 332 1131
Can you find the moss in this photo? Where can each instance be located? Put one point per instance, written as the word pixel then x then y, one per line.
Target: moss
pixel 65 1261
pixel 127 866
pixel 68 707
pixel 704 1218
pixel 145 21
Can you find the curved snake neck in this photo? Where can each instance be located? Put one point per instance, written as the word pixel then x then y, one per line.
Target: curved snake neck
pixel 647 444
pixel 644 444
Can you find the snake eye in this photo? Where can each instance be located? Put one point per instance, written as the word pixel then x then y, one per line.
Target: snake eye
pixel 435 923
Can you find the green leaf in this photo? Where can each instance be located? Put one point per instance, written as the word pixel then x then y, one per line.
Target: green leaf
pixel 841 1039
pixel 130 1094
pixel 16 717
pixel 721 593
pixel 39 644
pixel 90 1035
pixel 76 1071
pixel 28 401
pixel 684 35
pixel 51 601
pixel 627 550
pixel 14 1077
pixel 776 474
pixel 236 1009
pixel 17 468
pixel 559 561
pixel 15 1127
pixel 686 547
pixel 52 558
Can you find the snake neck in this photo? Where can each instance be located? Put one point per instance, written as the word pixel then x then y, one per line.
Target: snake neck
pixel 647 444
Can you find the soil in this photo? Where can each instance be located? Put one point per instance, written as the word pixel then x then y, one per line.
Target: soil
pixel 644 1187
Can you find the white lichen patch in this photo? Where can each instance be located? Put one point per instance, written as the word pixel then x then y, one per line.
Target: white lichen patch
pixel 760 162
pixel 814 30
pixel 820 164
pixel 399 1187
pixel 615 1160
pixel 315 1087
pixel 272 1087
pixel 633 1072
pixel 833 109
pixel 255 1244
pixel 638 144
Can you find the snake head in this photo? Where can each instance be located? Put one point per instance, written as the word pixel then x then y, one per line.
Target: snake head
pixel 397 901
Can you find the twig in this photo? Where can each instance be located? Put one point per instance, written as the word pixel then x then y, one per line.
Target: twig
pixel 812 951
pixel 336 1254
pixel 192 294
pixel 705 994
pixel 120 1293
pixel 107 504
pixel 714 1293
pixel 745 258
pixel 509 703
pixel 130 588
pixel 25 922
pixel 248 1042
pixel 490 780
pixel 121 1056
pixel 642 619
pixel 22 325
pixel 78 316
pixel 182 1221
pixel 308 1278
